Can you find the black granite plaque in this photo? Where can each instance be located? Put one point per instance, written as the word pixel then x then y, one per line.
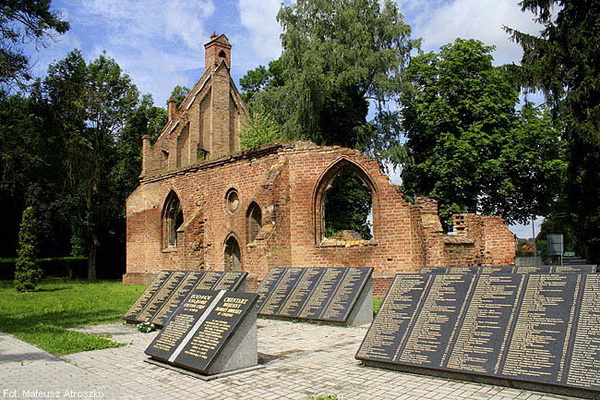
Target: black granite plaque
pixel 229 280
pixel 165 344
pixel 177 295
pixel 320 294
pixel 146 297
pixel 528 269
pixel 521 329
pixel 590 269
pixel 468 270
pixel 201 328
pixel 584 361
pixel 162 295
pixel 170 288
pixel 207 280
pixel 482 330
pixel 268 284
pixel 551 269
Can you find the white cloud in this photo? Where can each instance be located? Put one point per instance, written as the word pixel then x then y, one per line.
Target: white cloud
pixel 439 22
pixel 184 21
pixel 525 231
pixel 157 43
pixel 259 19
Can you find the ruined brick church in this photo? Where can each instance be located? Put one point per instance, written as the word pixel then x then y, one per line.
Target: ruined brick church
pixel 202 203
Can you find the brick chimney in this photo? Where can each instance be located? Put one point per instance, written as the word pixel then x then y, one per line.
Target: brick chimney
pixel 171 108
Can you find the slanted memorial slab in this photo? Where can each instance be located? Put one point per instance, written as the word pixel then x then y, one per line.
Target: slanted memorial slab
pixel 340 295
pixel 550 269
pixel 534 331
pixel 211 332
pixel 170 288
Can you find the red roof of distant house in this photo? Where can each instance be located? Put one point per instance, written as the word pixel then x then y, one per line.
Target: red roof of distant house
pixel 527 247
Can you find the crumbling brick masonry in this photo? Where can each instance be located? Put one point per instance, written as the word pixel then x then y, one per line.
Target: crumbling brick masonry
pixel 204 204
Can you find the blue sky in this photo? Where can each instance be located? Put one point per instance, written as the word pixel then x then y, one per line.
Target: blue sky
pixel 160 43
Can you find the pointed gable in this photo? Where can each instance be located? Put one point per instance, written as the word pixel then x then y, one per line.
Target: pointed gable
pixel 207 124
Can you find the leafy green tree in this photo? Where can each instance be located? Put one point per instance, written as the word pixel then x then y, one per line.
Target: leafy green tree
pixel 91 105
pixel 337 55
pixel 27 273
pixel 145 119
pixel 22 21
pixel 179 93
pixel 260 128
pixel 534 160
pixel 562 62
pixel 260 79
pixel 467 147
pixel 30 171
pixel 348 206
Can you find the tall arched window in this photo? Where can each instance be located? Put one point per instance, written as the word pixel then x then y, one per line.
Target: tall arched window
pixel 172 218
pixel 233 256
pixel 344 204
pixel 254 221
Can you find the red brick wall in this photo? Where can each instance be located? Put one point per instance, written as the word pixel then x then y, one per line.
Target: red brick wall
pixel 493 243
pixel 285 181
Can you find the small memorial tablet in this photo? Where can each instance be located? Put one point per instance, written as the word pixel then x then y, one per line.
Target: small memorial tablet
pixel 168 290
pixel 536 331
pixel 210 333
pixel 336 294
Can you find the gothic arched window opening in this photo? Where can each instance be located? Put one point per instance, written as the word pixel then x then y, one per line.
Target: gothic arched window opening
pixel 172 220
pixel 233 256
pixel 254 218
pixel 347 207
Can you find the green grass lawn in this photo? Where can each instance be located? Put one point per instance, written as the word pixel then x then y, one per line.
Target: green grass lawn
pixel 41 317
pixel 377 304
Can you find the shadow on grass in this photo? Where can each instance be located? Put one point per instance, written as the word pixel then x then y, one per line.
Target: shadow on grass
pixel 62 319
pixel 49 331
pixel 50 290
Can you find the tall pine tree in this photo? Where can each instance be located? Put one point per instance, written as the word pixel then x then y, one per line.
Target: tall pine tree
pixel 564 63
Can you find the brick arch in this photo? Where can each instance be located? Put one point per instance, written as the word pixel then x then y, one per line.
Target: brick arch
pixel 326 178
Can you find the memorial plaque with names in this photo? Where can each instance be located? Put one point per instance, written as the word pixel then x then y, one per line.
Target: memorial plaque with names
pixel 162 295
pixel 550 269
pixel 170 288
pixel 320 294
pixel 201 328
pixel 208 280
pixel 590 269
pixel 539 331
pixel 189 282
pixel 142 301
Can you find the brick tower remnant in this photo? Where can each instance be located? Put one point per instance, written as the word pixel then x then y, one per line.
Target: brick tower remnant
pixel 207 124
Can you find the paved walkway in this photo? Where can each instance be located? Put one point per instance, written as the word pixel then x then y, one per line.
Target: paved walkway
pixel 299 360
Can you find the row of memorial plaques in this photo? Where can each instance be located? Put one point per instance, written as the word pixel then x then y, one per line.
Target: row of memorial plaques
pixel 211 332
pixel 508 269
pixel 532 328
pixel 170 288
pixel 320 294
